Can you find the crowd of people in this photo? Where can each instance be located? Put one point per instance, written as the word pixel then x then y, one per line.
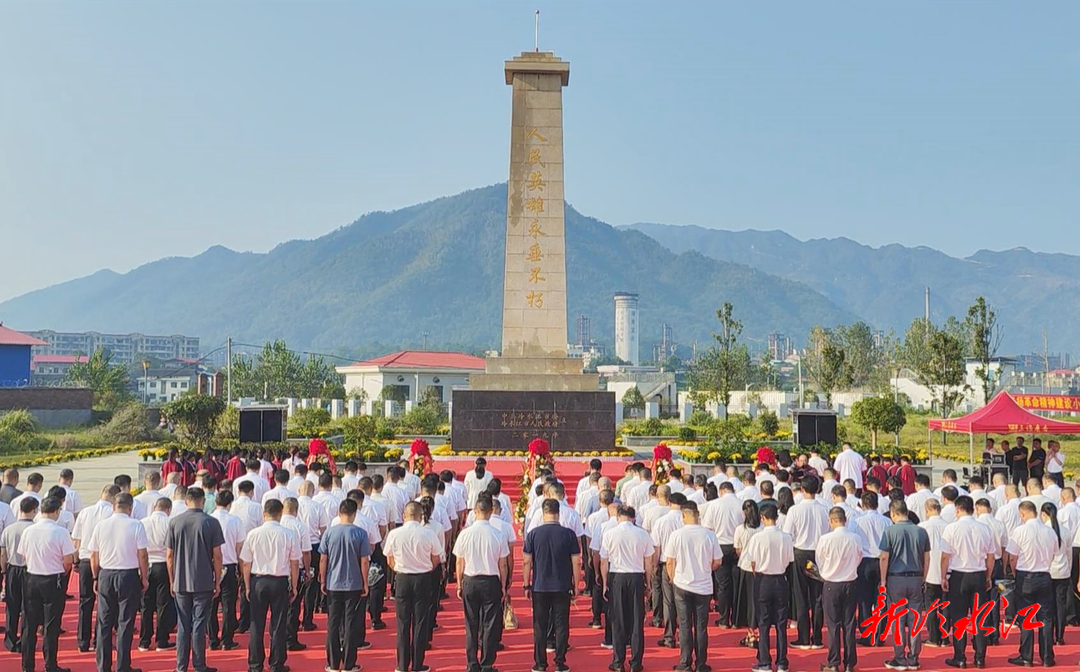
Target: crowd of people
pixel 259 543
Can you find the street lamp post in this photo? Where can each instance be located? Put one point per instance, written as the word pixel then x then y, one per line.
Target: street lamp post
pixel 145 383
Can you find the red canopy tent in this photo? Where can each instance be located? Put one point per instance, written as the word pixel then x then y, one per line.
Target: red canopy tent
pixel 1001 416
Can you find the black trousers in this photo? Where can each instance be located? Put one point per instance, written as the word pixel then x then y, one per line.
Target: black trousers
pixel 838 600
pixel 671 617
pixel 482 600
pixel 268 593
pixel 84 629
pixel 244 622
pixel 437 581
pixel 1037 588
pixel 627 613
pixel 15 578
pixel 1074 598
pixel 866 592
pixel 807 591
pixel 377 596
pixel 937 620
pixel 311 590
pixel 43 607
pixel 223 628
pixel 343 608
pixel 1019 478
pixel 963 586
pixel 725 584
pixel 292 621
pixel 773 593
pixel 589 574
pixel 157 602
pixel 551 612
pixel 119 598
pixel 693 614
pixel 1062 595
pixel 656 595
pixel 601 604
pixel 413 596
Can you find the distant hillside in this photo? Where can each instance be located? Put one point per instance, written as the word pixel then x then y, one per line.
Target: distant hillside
pixel 1031 291
pixel 435 267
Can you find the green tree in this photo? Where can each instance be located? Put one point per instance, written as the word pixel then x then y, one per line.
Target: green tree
pixel 108 382
pixel 670 363
pixel 723 367
pixel 985 337
pixel 276 371
pixel 878 414
pixel 359 432
pixel 860 353
pixel 945 373
pixel 196 417
pixel 826 362
pixel 392 393
pixel 914 352
pixel 632 398
pixel 769 423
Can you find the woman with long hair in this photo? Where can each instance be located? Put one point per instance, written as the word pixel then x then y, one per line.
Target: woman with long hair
pixel 476 481
pixel 1060 567
pixel 427 504
pixel 745 595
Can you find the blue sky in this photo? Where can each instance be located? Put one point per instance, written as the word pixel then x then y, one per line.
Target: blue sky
pixel 131 131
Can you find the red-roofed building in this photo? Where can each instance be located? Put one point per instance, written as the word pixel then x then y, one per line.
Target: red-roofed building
pixel 413 372
pixel 45 369
pixel 15 357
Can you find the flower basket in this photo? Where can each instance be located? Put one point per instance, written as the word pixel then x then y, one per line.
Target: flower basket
pixel 662 464
pixel 420 462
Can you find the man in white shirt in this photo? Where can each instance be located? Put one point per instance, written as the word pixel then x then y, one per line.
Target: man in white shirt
pixel 828 482
pixel 805 523
pixel 350 479
pixel 232 529
pixel 150 493
pixel 13 567
pixel 271 558
pixel 660 530
pixel 949 495
pixel 1001 537
pixel 316 521
pixel 839 554
pixel 84 528
pixel 1030 553
pixel 967 565
pixel 260 484
pixel 157 602
pixel 121 571
pixel 1055 462
pixel 1009 512
pixel 72 502
pixel 691 554
pixel 871 525
pixel 1050 489
pixel 325 497
pixel 413 552
pixel 626 556
pixel 482 557
pixel 281 490
pixel 47 550
pixel 697 494
pixel 290 521
pixel 849 464
pixel 638 494
pixel 817 462
pixel 172 482
pixel 33 489
pixel 1035 493
pixel 948 478
pixel 298 475
pixel 916 501
pixel 997 493
pixel 722 517
pixel 933 524
pixel 770 552
pixel 749 489
pixel 592 529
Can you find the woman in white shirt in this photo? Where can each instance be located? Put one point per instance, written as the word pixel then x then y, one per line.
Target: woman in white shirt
pixel 437 585
pixel 476 481
pixel 1060 567
pixel 745 597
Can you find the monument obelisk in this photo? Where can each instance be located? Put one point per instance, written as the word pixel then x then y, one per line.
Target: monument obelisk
pixel 533 389
pixel 534 335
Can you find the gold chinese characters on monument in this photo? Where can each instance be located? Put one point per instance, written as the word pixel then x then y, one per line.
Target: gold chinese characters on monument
pixel 534 186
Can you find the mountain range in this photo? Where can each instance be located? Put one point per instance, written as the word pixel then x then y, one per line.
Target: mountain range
pixel 1030 291
pixel 433 269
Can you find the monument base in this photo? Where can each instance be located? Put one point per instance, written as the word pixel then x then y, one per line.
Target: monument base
pixel 489 420
pixel 535 374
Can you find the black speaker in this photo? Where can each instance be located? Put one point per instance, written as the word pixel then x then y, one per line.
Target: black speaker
pixel 262 425
pixel 815 427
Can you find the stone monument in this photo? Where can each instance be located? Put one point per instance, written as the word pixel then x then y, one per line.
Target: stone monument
pixel 533 389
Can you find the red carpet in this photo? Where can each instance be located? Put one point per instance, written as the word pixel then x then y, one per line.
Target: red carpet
pixel 586 654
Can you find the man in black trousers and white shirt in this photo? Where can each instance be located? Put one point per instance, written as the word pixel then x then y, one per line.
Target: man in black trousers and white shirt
pixel 482 559
pixel 626 559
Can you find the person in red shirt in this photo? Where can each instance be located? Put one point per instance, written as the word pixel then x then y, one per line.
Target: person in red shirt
pixel 212 465
pixel 906 474
pixel 318 451
pixel 877 471
pixel 188 470
pixel 235 468
pixel 172 465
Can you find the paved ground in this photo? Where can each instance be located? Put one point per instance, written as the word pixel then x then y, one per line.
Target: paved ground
pixel 90 475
